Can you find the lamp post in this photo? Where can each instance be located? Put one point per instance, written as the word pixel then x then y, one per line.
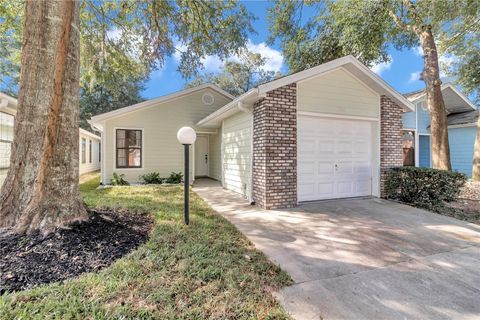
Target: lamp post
pixel 187 136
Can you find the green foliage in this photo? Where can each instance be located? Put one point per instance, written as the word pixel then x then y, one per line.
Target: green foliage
pixel 104 98
pixel 238 77
pixel 174 178
pixel 364 29
pixel 119 180
pixel 194 272
pixel 152 178
pixel 424 187
pixel 127 39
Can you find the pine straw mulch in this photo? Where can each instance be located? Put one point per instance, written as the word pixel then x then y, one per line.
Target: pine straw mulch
pixel 27 261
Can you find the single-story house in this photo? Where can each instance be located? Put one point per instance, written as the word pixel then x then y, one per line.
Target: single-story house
pixel 326 132
pixel 89 149
pixel 462 115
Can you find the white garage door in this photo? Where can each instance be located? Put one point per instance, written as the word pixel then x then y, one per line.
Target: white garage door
pixel 334 158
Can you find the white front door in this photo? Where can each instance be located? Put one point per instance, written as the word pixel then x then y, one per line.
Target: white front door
pixel 201 156
pixel 334 158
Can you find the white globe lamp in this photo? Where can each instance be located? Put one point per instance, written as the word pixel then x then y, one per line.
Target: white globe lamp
pixel 187 136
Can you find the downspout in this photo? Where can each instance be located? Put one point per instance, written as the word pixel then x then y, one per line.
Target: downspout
pixel 243 108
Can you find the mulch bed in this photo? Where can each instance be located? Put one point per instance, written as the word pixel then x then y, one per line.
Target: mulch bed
pixel 463 209
pixel 30 260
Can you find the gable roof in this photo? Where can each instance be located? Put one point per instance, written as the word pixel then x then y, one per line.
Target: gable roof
pixel 455 101
pixel 162 99
pixel 351 64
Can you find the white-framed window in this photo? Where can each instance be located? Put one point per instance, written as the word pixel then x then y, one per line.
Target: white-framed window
pixel 7 122
pixel 128 148
pixel 84 150
pixel 90 151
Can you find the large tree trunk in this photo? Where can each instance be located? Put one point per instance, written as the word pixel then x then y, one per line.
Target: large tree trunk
pixel 435 103
pixel 476 155
pixel 41 190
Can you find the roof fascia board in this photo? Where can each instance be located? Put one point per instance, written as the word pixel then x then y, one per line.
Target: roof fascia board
pixel 89 134
pixel 217 115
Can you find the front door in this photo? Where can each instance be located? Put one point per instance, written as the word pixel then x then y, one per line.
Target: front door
pixel 201 156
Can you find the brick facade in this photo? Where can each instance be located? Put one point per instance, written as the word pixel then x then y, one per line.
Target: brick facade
pixel 275 149
pixel 391 125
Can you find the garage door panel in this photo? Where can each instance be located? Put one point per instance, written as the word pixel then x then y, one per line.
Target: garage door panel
pixel 326 168
pixel 334 158
pixel 306 168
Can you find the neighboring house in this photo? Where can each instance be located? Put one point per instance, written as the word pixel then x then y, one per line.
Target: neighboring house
pixel 327 132
pixel 462 115
pixel 89 151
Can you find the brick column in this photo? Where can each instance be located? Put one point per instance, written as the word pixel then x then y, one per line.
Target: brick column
pixel 275 149
pixel 391 125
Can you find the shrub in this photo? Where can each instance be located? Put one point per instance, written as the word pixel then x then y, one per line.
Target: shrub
pixel 424 187
pixel 119 180
pixel 152 178
pixel 175 178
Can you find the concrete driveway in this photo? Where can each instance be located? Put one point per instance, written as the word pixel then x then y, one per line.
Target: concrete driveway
pixel 363 258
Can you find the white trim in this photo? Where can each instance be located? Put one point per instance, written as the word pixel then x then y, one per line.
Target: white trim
pixel 160 100
pixel 231 106
pixel 114 135
pixel 443 87
pixel 222 175
pixel 207 132
pixel 89 134
pixel 336 116
pixel 335 64
pixel 463 125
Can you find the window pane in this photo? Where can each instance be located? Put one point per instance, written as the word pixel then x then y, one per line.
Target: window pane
pixel 5 149
pixel 90 151
pixel 6 126
pixel 134 159
pixel 84 150
pixel 121 158
pixel 120 138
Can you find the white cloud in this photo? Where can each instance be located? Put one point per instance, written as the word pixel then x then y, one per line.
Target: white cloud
pixel 414 76
pixel 418 51
pixel 274 58
pixel 445 61
pixel 379 68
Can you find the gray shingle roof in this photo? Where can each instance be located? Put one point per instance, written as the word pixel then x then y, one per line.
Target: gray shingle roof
pixel 462 118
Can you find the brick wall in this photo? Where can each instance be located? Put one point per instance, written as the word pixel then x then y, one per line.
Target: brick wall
pixel 391 124
pixel 275 149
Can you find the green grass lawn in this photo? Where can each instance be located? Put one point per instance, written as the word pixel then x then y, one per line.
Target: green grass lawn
pixel 194 272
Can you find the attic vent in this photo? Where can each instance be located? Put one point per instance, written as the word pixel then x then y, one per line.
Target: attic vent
pixel 208 99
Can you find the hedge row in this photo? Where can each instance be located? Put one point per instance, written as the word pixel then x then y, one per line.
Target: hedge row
pixel 424 187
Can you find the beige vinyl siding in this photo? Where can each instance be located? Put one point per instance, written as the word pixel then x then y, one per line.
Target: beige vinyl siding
pixel 161 151
pixel 237 152
pixel 215 155
pixel 87 166
pixel 337 93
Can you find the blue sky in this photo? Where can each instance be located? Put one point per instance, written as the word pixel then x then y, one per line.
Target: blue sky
pixel 401 72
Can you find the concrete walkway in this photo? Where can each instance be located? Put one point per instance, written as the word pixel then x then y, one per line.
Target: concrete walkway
pixel 363 259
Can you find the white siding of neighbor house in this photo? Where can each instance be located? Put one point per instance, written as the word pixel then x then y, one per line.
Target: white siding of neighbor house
pixel 161 151
pixel 215 155
pixel 95 164
pixel 337 93
pixel 237 152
